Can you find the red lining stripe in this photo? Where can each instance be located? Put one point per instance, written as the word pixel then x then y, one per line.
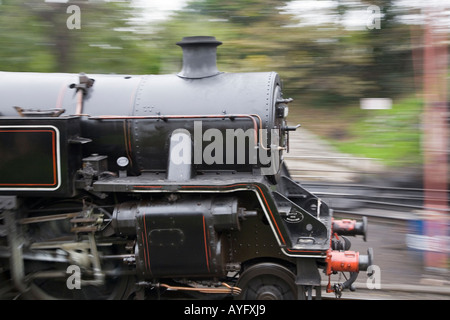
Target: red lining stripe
pixel 206 244
pixel 260 192
pixel 265 200
pixel 146 255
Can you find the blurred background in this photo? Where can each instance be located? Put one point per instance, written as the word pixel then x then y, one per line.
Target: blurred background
pixel 329 53
pixel 368 78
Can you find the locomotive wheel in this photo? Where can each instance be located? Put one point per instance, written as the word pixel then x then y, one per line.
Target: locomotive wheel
pixel 56 289
pixel 268 281
pixel 52 288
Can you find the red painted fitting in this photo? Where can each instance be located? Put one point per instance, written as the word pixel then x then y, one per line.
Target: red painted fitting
pixel 347 227
pixel 343 225
pixel 344 261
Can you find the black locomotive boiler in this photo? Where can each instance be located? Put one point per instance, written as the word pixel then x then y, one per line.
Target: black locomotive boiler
pixel 122 186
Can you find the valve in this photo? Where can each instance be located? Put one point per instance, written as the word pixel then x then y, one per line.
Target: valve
pixel 345 261
pixel 347 227
pixel 348 261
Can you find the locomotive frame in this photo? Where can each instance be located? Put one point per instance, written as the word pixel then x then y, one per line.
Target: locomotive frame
pixel 104 192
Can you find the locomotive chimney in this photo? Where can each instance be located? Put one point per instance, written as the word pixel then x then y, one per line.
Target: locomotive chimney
pixel 199 57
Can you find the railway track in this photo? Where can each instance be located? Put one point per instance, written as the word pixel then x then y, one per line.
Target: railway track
pixel 394 292
pixel 350 197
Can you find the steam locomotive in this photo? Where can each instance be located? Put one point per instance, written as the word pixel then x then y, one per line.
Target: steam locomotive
pixel 135 186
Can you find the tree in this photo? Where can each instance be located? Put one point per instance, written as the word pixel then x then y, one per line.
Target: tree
pixel 324 64
pixel 65 37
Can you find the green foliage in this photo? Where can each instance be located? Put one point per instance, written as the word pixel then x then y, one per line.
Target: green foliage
pixel 238 11
pixel 322 66
pixel 34 36
pixel 392 136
